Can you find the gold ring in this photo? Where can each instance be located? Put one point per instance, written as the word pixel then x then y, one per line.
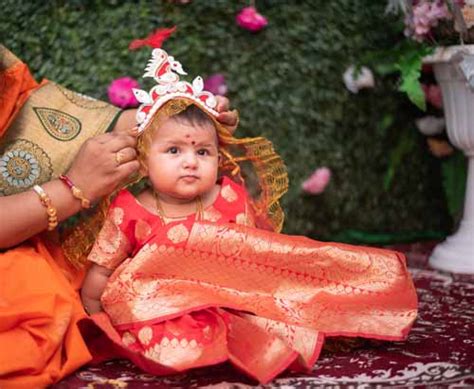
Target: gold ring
pixel 118 158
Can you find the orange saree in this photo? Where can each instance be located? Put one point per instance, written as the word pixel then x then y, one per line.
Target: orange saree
pixel 39 311
pixel 16 84
pixel 39 304
pixel 189 293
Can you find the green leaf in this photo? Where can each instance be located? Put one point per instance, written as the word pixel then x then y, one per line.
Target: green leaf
pixel 409 65
pixel 454 173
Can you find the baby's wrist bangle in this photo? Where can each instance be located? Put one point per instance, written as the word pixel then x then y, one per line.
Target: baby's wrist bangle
pixel 76 192
pixel 50 209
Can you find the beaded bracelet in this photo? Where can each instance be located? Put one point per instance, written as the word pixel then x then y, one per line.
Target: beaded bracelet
pixel 50 210
pixel 76 192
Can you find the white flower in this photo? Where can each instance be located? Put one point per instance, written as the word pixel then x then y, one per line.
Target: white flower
pixel 430 125
pixel 357 79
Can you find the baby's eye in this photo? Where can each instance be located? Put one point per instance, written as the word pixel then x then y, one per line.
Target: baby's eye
pixel 172 150
pixel 203 152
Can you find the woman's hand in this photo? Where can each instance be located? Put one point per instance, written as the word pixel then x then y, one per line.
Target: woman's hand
pixel 103 162
pixel 229 119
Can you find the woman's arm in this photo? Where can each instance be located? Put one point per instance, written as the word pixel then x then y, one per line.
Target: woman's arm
pixel 95 171
pixel 93 287
pixel 22 215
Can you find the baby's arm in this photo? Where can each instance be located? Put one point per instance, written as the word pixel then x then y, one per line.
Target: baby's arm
pixel 111 247
pixel 93 287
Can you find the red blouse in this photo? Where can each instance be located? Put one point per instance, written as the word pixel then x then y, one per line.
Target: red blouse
pixel 129 225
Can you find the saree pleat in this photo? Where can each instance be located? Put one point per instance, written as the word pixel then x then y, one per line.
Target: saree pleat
pixel 39 310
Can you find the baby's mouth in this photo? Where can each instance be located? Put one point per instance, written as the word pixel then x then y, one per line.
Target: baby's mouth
pixel 190 178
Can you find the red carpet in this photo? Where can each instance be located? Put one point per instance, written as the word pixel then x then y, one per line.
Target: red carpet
pixel 438 353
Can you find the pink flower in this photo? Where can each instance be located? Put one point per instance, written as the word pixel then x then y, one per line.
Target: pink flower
pixel 250 19
pixel 318 181
pixel 426 15
pixel 216 84
pixel 433 95
pixel 121 94
pixel 438 11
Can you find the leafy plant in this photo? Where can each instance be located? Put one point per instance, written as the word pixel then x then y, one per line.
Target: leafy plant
pixel 409 65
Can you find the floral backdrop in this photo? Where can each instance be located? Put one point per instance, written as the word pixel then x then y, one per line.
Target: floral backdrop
pixel 314 76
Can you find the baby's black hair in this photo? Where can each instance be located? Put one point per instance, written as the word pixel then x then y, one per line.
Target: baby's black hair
pixel 194 116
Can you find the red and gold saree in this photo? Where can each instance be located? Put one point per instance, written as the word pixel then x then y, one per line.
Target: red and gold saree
pixel 189 293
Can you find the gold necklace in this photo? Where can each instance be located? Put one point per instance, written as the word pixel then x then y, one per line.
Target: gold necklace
pixel 163 217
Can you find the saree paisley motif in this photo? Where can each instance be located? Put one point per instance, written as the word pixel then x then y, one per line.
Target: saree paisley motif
pixel 46 133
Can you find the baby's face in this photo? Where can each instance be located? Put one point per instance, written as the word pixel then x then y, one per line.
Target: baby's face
pixel 183 160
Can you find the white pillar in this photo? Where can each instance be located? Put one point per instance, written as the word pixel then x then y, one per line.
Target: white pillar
pixel 456 253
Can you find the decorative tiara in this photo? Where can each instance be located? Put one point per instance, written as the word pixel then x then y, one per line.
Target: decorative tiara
pixel 165 70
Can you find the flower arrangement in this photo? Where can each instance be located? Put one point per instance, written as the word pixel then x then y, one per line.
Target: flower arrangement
pixel 428 24
pixel 438 22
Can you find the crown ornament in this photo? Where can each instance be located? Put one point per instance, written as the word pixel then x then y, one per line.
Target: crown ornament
pixel 166 71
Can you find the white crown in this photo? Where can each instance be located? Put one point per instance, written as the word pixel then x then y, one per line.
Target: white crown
pixel 165 70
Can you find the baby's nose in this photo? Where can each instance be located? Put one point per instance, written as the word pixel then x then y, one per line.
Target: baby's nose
pixel 190 160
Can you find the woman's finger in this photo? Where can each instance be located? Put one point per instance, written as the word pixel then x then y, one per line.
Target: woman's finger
pixel 127 154
pixel 104 138
pixel 230 119
pixel 222 104
pixel 126 121
pixel 127 169
pixel 121 141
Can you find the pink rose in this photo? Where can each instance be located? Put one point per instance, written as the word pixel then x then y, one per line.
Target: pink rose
pixel 216 84
pixel 433 95
pixel 250 19
pixel 121 94
pixel 318 181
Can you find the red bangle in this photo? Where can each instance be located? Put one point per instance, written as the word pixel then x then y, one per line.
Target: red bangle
pixel 76 192
pixel 67 181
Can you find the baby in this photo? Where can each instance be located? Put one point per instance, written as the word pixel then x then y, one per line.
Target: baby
pixel 180 158
pixel 181 278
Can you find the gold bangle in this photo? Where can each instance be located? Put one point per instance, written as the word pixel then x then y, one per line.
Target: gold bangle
pixel 76 192
pixel 50 209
